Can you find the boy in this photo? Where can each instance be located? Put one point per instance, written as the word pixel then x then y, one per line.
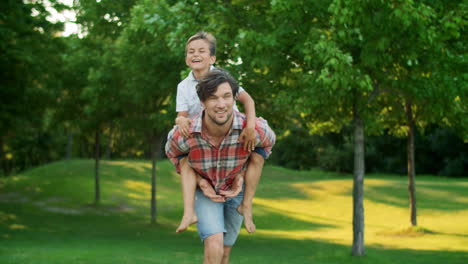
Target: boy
pixel 200 55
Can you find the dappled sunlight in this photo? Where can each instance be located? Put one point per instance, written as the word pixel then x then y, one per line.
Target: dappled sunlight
pixel 17 227
pixel 138 166
pixel 321 189
pixel 435 194
pixel 328 209
pixel 7 217
pixel 10 221
pixel 440 183
pixel 136 195
pixel 335 235
pixel 137 186
pixel 308 209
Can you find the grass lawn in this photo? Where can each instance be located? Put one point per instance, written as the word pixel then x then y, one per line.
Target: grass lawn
pixel 47 216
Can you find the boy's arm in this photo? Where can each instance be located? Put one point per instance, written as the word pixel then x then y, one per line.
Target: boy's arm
pixel 248 133
pixel 183 122
pixel 176 147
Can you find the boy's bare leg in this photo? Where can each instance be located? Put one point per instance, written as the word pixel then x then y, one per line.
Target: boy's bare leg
pixel 189 184
pixel 252 177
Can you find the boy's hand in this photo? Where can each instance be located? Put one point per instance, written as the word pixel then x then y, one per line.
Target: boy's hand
pixel 248 138
pixel 184 125
pixel 236 187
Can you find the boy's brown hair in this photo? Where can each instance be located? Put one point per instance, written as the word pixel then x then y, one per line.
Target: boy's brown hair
pixel 205 36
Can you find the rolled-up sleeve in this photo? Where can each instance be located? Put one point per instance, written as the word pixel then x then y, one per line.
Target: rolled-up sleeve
pixel 266 138
pixel 176 146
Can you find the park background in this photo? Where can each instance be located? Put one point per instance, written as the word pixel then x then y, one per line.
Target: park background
pixel 362 94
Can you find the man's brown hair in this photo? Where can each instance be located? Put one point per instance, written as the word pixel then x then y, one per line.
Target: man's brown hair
pixel 209 84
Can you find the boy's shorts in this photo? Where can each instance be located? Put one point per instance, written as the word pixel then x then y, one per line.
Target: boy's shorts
pixel 216 217
pixel 261 151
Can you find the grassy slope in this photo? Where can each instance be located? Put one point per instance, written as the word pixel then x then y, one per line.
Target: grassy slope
pixel 46 216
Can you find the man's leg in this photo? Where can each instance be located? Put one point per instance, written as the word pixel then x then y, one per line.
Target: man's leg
pixel 252 177
pixel 214 249
pixel 189 184
pixel 226 253
pixel 232 223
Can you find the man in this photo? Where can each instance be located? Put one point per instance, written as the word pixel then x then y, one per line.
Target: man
pixel 213 151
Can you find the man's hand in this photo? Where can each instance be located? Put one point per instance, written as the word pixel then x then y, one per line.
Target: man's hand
pixel 236 187
pixel 209 192
pixel 184 125
pixel 248 138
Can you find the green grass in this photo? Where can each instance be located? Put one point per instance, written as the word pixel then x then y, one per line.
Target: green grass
pixel 47 216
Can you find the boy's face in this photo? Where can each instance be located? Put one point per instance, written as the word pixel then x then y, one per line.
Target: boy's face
pixel 219 106
pixel 198 55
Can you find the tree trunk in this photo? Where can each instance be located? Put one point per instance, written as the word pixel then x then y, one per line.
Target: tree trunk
pixel 411 167
pixel 110 142
pixel 3 159
pixel 97 190
pixel 358 187
pixel 69 146
pixel 155 146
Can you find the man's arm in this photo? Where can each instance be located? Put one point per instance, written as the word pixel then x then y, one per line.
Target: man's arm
pixel 208 190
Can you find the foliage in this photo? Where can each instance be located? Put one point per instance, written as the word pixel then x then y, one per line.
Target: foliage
pixel 306 64
pixel 29 70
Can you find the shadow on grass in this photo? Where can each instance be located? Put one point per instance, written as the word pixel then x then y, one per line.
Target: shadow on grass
pixel 58 238
pixel 428 195
pixel 253 249
pixel 267 218
pixel 438 193
pixel 33 235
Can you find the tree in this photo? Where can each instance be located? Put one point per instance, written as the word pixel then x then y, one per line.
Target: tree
pixel 403 52
pixel 142 51
pixel 29 68
pixel 102 23
pixel 308 69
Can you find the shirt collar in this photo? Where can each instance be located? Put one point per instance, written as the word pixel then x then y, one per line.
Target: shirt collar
pixel 191 77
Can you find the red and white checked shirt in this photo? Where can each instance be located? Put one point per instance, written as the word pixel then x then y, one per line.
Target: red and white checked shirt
pixel 219 165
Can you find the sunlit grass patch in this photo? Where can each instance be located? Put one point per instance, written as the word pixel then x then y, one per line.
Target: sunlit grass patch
pixel 48 215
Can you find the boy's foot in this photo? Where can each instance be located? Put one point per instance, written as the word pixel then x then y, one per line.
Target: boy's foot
pixel 186 222
pixel 246 211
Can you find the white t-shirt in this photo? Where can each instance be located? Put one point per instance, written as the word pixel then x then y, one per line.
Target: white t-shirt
pixel 187 98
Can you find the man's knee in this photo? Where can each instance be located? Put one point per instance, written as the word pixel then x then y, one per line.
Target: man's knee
pixel 214 244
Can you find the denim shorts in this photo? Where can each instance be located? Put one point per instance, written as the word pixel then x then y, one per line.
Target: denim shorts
pixel 214 217
pixel 262 152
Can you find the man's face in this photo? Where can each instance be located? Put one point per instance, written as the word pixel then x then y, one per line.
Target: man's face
pixel 219 106
pixel 198 56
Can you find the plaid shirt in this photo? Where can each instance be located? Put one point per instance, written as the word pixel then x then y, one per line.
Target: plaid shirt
pixel 219 165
